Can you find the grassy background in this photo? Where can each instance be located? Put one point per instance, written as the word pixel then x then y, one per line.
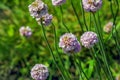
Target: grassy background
pixel 18 54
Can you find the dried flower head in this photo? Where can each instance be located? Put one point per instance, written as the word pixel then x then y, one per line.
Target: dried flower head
pixel 37 9
pixel 58 2
pixel 108 27
pixel 46 19
pixel 88 39
pixel 25 31
pixel 92 5
pixel 69 43
pixel 39 72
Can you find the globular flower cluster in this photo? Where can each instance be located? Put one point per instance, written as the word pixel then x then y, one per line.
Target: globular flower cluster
pixel 58 2
pixel 39 10
pixel 88 39
pixel 69 43
pixel 46 19
pixel 25 31
pixel 39 72
pixel 108 27
pixel 92 5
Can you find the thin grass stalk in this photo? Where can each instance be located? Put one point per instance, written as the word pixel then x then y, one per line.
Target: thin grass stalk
pixel 77 66
pixel 96 66
pixel 54 60
pixel 99 22
pixel 80 66
pixel 59 56
pixel 114 23
pixel 77 16
pixel 62 19
pixel 90 19
pixel 99 63
pixel 83 15
pixel 102 48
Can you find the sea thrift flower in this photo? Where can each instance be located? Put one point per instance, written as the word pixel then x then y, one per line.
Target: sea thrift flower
pixel 88 39
pixel 39 72
pixel 108 27
pixel 25 31
pixel 58 2
pixel 92 5
pixel 37 9
pixel 69 43
pixel 46 19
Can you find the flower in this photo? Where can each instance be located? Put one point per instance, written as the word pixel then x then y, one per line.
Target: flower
pixel 25 31
pixel 46 19
pixel 58 2
pixel 108 27
pixel 39 72
pixel 69 43
pixel 92 5
pixel 88 39
pixel 37 9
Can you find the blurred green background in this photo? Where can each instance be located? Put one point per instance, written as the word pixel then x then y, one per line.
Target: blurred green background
pixel 18 54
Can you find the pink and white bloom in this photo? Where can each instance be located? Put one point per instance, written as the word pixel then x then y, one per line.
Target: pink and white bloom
pixel 69 43
pixel 25 31
pixel 88 39
pixel 39 72
pixel 92 5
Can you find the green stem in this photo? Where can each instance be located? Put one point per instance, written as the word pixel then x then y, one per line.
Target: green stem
pixel 96 66
pixel 64 77
pixel 60 59
pixel 102 48
pixel 62 19
pixel 77 16
pixel 83 15
pixel 80 66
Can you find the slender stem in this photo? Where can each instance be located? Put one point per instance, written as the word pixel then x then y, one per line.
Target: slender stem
pixel 80 66
pixel 96 66
pixel 77 66
pixel 83 15
pixel 77 15
pixel 99 63
pixel 102 48
pixel 64 77
pixel 114 28
pixel 62 19
pixel 59 56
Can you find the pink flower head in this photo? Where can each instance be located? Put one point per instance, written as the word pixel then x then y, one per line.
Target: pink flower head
pixel 108 27
pixel 37 9
pixel 88 39
pixel 39 72
pixel 25 31
pixel 46 19
pixel 69 43
pixel 92 5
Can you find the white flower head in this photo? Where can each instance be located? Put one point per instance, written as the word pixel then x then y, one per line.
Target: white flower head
pixel 25 31
pixel 108 27
pixel 37 9
pixel 69 43
pixel 39 72
pixel 88 39
pixel 92 5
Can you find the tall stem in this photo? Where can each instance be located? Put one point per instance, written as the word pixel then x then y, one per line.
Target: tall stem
pixel 59 56
pixel 102 47
pixel 54 60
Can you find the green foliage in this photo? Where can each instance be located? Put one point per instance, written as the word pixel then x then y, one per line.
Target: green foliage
pixel 19 54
